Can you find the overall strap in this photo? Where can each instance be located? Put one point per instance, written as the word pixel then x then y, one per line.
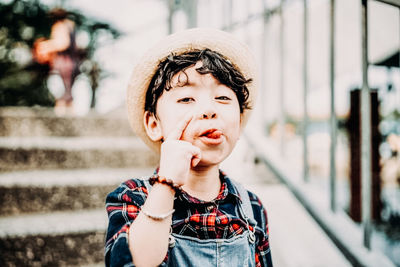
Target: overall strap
pixel 147 184
pixel 244 195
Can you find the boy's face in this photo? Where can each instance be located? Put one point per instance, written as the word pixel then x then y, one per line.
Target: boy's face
pixel 215 125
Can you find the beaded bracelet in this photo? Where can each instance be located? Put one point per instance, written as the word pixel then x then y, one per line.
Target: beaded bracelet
pixel 158 217
pixel 162 180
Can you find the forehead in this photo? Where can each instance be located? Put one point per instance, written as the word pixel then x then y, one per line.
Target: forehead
pixel 191 78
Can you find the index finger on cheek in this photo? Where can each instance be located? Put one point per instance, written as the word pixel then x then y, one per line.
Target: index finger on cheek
pixel 176 134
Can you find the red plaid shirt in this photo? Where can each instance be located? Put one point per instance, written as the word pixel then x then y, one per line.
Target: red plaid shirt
pixel 218 219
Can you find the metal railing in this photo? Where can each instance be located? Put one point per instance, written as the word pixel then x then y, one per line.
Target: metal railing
pixel 365 113
pixel 366 124
pixel 365 94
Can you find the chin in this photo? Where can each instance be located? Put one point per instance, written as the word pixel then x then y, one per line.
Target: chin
pixel 210 159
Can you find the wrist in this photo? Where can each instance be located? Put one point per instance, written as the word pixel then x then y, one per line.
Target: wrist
pixel 160 199
pixel 163 187
pixel 157 217
pixel 162 180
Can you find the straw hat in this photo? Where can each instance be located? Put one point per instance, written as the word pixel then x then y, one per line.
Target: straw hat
pixel 222 42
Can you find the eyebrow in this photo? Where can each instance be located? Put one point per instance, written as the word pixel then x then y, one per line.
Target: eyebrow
pixel 188 83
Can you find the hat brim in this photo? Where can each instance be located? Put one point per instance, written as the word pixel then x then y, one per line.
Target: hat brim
pixel 222 42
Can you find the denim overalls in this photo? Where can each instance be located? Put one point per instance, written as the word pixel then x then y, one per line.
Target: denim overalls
pixel 234 252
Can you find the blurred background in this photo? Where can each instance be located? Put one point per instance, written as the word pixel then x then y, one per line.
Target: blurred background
pixel 326 126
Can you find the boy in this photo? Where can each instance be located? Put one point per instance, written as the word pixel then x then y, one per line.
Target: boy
pixel 188 99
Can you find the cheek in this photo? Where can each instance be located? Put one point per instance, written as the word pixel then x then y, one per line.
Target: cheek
pixel 169 120
pixel 168 123
pixel 237 132
pixel 165 115
pixel 233 124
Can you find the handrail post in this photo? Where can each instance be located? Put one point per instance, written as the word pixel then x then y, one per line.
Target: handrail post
pixel 332 171
pixel 282 119
pixel 365 131
pixel 263 91
pixel 171 10
pixel 305 93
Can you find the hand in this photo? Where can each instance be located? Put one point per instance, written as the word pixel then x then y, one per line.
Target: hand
pixel 178 156
pixel 40 52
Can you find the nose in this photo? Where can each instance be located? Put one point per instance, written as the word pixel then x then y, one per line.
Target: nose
pixel 209 115
pixel 207 110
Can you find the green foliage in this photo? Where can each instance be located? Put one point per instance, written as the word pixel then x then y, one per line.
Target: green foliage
pixel 23 81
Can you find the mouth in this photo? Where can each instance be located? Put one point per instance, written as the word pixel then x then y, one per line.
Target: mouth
pixel 212 133
pixel 212 137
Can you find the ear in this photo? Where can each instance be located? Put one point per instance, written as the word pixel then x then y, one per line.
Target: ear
pixel 153 126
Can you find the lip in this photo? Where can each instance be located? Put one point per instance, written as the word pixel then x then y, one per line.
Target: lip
pixel 212 137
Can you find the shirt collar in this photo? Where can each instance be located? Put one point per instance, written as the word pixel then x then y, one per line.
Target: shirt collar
pixel 227 190
pixel 231 189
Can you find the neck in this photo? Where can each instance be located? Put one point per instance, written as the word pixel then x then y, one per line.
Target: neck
pixel 203 182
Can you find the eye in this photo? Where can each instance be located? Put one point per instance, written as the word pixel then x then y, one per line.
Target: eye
pixel 223 98
pixel 185 100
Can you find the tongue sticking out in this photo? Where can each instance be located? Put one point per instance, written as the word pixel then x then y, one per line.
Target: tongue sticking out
pixel 213 134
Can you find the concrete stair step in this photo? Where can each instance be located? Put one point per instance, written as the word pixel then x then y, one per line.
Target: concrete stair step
pixel 24 192
pixel 27 153
pixel 53 239
pixel 39 121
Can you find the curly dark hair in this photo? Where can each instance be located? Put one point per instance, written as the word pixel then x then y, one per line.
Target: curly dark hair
pixel 57 14
pixel 213 63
